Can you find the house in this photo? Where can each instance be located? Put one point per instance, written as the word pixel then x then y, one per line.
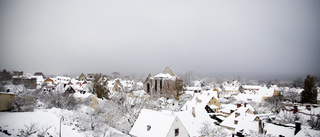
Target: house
pixel 210 99
pixel 6 101
pixel 193 115
pixel 82 77
pixel 194 89
pixel 241 120
pixel 117 86
pixel 266 92
pixel 49 81
pixel 90 76
pixel 166 82
pixel 69 89
pixel 251 87
pixel 154 123
pixel 232 87
pixel 230 108
pixel 27 80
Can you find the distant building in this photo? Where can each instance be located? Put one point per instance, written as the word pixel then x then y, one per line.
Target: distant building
pixel 232 87
pixel 90 75
pixel 28 81
pixel 39 74
pixel 117 86
pixel 166 82
pixel 82 77
pixel 17 73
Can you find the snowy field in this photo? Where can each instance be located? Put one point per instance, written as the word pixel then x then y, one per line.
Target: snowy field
pixel 14 122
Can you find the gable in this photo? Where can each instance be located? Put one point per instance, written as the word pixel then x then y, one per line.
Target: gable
pixel 177 124
pixel 159 123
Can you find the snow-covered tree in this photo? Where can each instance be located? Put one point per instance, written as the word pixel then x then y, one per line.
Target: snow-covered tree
pixel 210 130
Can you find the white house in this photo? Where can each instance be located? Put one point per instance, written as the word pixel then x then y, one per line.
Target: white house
pixel 152 123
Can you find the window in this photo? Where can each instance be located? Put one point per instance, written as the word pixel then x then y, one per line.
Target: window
pixel 176 132
pixel 237 114
pixel 235 121
pixel 214 102
pixel 148 127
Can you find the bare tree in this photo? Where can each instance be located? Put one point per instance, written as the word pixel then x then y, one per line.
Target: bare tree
pixel 188 78
pixel 209 130
pixel 115 75
pixel 99 87
pixel 292 95
pixel 274 103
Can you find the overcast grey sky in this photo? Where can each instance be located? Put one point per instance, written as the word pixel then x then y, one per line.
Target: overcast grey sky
pixel 270 38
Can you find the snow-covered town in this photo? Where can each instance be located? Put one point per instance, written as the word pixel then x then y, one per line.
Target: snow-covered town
pixel 159 68
pixel 161 105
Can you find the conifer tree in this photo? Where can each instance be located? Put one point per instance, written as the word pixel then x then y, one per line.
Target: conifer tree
pixel 309 94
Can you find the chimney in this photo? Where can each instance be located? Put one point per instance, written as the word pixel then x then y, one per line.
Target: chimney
pixel 298 127
pixel 238 105
pixel 308 107
pixel 260 127
pixel 193 112
pixel 231 111
pixel 245 104
pixel 295 109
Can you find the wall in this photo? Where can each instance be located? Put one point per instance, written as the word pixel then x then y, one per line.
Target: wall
pixel 6 101
pixel 182 130
pixel 28 83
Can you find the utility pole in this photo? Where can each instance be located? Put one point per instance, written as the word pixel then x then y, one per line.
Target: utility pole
pixel 61 119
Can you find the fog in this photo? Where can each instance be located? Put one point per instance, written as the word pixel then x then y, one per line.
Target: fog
pixel 256 39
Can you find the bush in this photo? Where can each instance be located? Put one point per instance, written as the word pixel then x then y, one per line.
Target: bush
pixel 24 102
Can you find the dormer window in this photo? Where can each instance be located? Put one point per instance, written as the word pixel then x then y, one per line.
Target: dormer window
pixel 148 127
pixel 237 114
pixel 176 132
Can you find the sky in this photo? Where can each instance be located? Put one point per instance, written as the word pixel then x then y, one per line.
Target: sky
pixel 259 39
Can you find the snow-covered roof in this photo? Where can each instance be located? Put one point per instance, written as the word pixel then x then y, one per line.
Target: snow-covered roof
pixel 247 126
pixel 191 123
pixel 266 92
pixel 228 88
pixel 165 76
pixel 249 97
pixel 159 123
pixel 307 132
pixel 228 107
pixel 246 119
pixel 274 130
pixel 193 88
pixel 251 87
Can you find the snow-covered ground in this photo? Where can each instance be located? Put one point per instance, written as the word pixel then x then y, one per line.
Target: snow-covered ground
pixel 14 122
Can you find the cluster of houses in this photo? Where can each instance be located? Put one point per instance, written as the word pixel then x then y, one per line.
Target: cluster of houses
pixel 236 119
pixel 206 105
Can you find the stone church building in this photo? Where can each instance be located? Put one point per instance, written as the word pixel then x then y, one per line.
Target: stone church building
pixel 166 82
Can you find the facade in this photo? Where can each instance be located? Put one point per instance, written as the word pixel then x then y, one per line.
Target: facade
pixel 30 83
pixel 6 101
pixel 82 77
pixel 214 104
pixel 90 75
pixel 232 87
pixel 152 123
pixel 166 82
pixel 17 73
pixel 117 86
